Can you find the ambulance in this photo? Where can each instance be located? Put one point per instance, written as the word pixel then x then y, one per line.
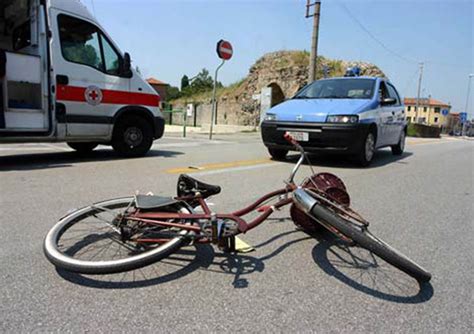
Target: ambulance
pixel 62 78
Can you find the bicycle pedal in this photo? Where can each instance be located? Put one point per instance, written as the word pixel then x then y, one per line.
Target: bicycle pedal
pixel 242 247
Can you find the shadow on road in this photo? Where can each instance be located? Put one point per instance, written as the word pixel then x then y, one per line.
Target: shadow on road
pixel 180 264
pixel 362 270
pixel 177 265
pixel 381 158
pixel 35 161
pixel 353 266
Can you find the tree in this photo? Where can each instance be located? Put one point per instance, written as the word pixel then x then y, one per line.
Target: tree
pixel 184 82
pixel 172 93
pixel 201 83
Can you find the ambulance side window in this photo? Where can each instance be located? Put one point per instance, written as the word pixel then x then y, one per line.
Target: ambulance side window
pixel 80 42
pixel 83 43
pixel 111 58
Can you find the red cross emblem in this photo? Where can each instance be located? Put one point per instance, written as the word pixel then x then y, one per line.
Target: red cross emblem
pixel 93 95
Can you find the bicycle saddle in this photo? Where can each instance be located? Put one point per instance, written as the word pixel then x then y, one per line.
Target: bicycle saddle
pixel 188 186
pixel 153 202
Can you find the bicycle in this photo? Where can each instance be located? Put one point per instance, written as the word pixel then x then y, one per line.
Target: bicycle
pixel 139 230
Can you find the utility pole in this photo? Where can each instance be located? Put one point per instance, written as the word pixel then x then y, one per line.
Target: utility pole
pixel 314 39
pixel 418 96
pixel 463 131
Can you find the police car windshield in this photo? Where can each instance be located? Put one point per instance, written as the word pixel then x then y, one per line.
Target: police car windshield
pixel 338 89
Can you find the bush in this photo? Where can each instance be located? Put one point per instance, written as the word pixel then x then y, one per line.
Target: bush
pixel 424 131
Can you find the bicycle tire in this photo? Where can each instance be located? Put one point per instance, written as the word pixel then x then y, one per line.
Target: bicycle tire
pixel 367 240
pixel 67 262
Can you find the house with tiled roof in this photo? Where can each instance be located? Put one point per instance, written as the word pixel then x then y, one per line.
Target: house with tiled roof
pixel 431 111
pixel 159 86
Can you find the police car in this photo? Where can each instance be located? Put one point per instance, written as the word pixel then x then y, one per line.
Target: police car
pixel 352 115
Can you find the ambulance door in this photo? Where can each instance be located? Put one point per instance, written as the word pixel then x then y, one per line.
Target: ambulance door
pixel 87 71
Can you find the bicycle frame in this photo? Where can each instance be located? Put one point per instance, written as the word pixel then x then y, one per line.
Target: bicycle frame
pixel 158 218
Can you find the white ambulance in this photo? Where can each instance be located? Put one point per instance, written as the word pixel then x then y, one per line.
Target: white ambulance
pixel 62 78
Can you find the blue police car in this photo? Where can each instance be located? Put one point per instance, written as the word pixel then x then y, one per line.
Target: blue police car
pixel 352 114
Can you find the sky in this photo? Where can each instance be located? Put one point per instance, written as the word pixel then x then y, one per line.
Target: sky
pixel 169 38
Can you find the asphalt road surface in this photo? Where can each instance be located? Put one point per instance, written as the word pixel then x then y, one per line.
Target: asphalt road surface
pixel 421 203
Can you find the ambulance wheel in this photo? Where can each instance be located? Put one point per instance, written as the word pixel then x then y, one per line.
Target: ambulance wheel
pixel 278 154
pixel 133 136
pixel 367 151
pixel 83 147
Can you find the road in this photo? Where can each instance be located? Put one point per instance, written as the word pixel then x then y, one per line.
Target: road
pixel 421 203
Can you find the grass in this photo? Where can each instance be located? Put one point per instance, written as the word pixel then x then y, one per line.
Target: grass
pixel 207 95
pixel 300 58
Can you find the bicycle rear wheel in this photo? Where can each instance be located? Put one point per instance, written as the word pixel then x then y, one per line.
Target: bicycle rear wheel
pixel 367 240
pixel 89 241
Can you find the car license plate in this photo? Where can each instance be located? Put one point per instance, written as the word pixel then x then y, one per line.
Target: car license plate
pixel 299 136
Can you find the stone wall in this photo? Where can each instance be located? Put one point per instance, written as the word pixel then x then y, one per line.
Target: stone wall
pixel 285 71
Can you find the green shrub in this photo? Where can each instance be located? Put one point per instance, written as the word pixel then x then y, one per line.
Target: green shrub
pixel 411 131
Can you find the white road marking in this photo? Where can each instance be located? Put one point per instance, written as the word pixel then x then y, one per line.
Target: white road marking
pixel 189 144
pixel 48 146
pixel 200 140
pixel 56 147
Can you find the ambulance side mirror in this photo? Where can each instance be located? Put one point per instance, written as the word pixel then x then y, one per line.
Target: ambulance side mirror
pixel 127 66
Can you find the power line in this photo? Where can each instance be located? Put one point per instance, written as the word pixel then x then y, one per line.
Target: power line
pixel 372 36
pixel 382 44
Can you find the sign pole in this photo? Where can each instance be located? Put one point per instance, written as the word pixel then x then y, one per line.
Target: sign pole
pixel 214 104
pixel 224 51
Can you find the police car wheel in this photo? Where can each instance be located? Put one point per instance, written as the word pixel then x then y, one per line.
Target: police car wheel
pixel 133 136
pixel 400 147
pixel 278 154
pixel 83 147
pixel 367 151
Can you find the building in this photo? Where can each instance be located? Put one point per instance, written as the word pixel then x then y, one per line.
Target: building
pixel 159 86
pixel 432 112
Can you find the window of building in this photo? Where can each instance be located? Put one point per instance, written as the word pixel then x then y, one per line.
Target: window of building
pixel 425 109
pixel 436 119
pixel 437 110
pixel 408 108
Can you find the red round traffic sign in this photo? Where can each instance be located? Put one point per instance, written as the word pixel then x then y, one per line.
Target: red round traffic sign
pixel 224 49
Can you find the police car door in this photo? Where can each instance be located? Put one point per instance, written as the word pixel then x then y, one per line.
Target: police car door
pixel 398 112
pixel 86 68
pixel 386 118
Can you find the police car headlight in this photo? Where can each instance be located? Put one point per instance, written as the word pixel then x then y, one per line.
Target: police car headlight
pixel 351 119
pixel 269 117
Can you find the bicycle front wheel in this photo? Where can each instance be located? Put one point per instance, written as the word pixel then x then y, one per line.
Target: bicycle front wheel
pixel 89 240
pixel 367 240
